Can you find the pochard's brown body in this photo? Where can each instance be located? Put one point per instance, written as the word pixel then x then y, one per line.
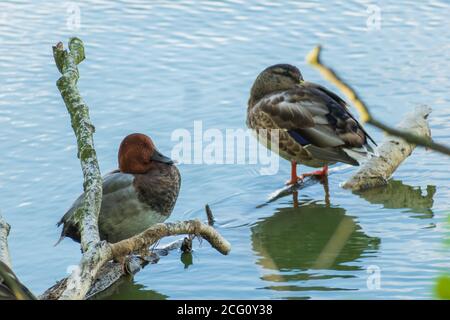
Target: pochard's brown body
pixel 142 192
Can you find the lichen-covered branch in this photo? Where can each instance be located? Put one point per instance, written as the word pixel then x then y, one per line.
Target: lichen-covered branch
pixel 4 251
pixel 82 278
pixel 313 58
pixel 392 152
pixel 87 217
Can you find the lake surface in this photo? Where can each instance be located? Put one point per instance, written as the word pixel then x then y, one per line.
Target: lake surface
pixel 154 67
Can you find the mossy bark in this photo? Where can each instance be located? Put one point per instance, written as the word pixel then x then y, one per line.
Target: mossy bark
pixel 66 62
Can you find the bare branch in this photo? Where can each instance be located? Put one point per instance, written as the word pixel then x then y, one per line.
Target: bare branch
pixel 160 230
pixel 209 215
pixel 313 58
pixel 392 152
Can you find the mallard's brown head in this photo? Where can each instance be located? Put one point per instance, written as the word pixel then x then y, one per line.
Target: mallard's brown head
pixel 275 78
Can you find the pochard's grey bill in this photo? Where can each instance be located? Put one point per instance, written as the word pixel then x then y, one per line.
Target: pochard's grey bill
pixel 159 157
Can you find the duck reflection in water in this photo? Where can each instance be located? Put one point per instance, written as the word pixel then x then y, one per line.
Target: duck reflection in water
pixel 324 182
pixel 313 236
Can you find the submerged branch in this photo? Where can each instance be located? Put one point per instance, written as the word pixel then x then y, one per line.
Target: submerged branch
pixel 313 58
pixel 392 152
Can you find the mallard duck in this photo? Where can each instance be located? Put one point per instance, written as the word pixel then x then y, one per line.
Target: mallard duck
pixel 314 124
pixel 10 286
pixel 142 192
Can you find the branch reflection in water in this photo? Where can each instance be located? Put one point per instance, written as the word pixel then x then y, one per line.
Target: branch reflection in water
pixel 397 195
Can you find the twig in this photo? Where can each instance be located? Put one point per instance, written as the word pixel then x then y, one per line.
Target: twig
pixel 313 58
pixel 209 215
pixel 289 189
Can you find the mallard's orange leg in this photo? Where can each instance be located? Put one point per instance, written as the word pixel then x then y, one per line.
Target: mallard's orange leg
pixel 320 173
pixel 295 178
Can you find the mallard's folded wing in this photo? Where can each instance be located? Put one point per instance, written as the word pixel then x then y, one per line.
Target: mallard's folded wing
pixel 277 112
pixel 317 119
pixel 341 102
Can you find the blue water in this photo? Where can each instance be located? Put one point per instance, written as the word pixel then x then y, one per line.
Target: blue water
pixel 154 67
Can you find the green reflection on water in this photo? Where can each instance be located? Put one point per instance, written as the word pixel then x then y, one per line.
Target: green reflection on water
pixel 127 289
pixel 397 195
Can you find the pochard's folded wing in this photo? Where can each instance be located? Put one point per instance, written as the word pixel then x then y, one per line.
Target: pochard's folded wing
pixel 112 182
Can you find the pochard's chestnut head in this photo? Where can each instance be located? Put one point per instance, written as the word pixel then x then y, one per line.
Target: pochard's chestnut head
pixel 137 154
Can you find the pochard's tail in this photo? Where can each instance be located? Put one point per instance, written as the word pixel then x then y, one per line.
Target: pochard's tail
pixel 61 238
